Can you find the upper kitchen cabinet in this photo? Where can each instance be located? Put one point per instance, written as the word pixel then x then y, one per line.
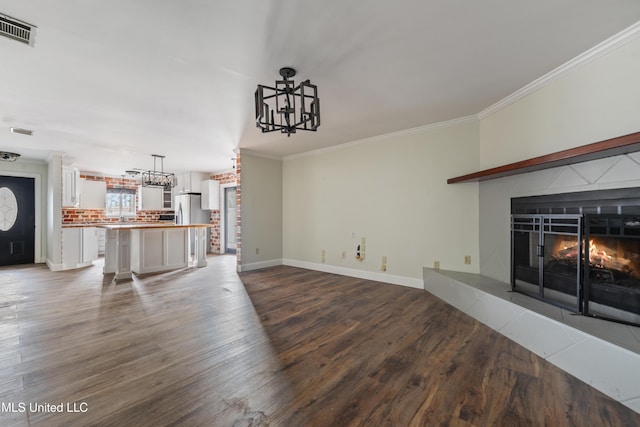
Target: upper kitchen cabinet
pixel 210 190
pixel 93 194
pixel 189 182
pixel 70 187
pixel 167 199
pixel 150 198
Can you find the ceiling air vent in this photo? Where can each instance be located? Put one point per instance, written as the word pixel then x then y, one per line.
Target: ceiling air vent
pixel 17 30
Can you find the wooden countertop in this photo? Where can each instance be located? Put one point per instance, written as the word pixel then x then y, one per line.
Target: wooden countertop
pixel 137 226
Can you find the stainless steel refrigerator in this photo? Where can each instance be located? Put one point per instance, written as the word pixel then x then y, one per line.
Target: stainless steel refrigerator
pixel 189 210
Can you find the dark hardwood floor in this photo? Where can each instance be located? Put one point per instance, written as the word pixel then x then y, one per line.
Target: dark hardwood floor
pixel 276 347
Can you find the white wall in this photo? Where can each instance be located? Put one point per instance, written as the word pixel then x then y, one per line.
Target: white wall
pixel 593 103
pixel 54 213
pixel 598 101
pixel 393 192
pixel 261 211
pixel 38 171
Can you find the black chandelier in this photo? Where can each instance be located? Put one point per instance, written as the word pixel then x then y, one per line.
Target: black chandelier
pixel 287 107
pixel 158 178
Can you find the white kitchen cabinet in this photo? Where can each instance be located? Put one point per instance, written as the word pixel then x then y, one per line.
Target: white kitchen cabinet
pixel 101 240
pixel 158 249
pixel 183 182
pixel 70 187
pixel 93 194
pixel 79 246
pixel 189 182
pixel 210 190
pixel 167 199
pixel 89 244
pixel 151 198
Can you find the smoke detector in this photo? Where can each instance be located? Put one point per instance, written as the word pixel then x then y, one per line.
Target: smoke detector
pixel 17 30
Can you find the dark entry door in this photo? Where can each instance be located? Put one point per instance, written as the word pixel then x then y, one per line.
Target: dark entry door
pixel 17 220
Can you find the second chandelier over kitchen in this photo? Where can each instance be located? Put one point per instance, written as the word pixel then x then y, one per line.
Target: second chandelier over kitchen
pixel 158 178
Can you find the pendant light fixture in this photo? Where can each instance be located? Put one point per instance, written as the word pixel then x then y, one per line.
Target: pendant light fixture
pixel 287 107
pixel 158 178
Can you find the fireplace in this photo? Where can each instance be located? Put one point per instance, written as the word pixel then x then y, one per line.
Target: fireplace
pixel 579 251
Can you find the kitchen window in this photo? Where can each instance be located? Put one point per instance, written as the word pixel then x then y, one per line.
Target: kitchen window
pixel 121 202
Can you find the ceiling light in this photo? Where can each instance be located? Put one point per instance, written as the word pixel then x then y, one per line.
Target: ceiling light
pixel 22 131
pixel 287 107
pixel 155 178
pixel 8 157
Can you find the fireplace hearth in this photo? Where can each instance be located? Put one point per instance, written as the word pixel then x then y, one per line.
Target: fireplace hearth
pixel 580 251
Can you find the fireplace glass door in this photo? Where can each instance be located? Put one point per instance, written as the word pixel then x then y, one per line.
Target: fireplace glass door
pixel 612 280
pixel 546 258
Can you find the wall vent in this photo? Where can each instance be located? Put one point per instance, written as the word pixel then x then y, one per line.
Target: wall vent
pixel 17 30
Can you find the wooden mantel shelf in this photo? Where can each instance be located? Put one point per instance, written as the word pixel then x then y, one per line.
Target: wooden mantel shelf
pixel 598 150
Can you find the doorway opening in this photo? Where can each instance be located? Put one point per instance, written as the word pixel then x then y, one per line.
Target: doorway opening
pixel 230 220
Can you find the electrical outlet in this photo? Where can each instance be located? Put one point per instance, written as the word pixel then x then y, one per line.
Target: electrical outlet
pixel 384 264
pixel 344 254
pixel 322 255
pixel 467 259
pixel 257 251
pixel 436 265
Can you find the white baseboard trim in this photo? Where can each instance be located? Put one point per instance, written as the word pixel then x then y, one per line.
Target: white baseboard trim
pixel 54 267
pixel 360 274
pixel 258 265
pixel 411 282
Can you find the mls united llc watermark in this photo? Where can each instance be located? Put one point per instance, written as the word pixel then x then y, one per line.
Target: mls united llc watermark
pixel 45 407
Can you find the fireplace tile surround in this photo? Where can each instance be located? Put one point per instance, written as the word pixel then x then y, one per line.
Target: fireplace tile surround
pixel 605 355
pixel 601 353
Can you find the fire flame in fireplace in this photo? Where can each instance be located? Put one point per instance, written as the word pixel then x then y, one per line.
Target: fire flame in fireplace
pixel 624 257
pixel 598 255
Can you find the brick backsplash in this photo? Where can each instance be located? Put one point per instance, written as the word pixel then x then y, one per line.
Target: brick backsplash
pixel 97 216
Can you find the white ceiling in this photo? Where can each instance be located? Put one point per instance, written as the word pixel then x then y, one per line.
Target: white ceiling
pixel 109 83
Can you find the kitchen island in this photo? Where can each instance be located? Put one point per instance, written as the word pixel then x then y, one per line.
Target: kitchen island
pixel 150 248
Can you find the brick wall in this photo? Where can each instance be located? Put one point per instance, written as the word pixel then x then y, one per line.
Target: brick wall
pixel 96 216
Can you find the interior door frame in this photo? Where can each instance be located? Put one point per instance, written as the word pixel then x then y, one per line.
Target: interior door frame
pixel 223 224
pixel 37 193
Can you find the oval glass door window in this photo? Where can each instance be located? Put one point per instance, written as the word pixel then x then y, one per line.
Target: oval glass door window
pixel 8 209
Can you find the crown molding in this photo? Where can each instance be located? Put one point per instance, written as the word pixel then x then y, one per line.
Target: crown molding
pixel 257 154
pixel 623 37
pixel 400 133
pixel 607 46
